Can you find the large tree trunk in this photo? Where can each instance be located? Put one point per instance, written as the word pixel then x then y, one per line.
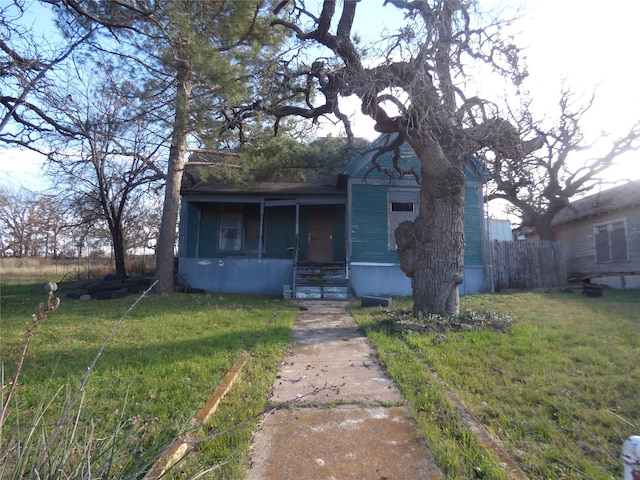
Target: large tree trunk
pixel 119 251
pixel 545 230
pixel 165 258
pixel 431 249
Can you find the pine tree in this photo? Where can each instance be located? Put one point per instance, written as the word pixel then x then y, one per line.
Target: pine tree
pixel 197 57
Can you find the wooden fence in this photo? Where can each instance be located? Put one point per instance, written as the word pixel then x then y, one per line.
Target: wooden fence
pixel 527 264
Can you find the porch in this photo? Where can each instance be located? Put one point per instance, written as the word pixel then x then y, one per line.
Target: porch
pixel 258 244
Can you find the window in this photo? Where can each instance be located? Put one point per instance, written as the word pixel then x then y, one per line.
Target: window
pixel 231 232
pixel 403 205
pixel 611 241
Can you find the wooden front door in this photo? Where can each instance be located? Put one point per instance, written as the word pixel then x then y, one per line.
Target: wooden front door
pixel 320 234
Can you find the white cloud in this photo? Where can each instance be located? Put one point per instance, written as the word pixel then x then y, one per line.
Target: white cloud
pixel 22 169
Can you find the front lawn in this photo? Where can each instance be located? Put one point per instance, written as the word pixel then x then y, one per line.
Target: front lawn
pixel 159 369
pixel 558 390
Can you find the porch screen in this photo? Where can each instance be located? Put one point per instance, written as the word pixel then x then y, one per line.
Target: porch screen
pixel 231 232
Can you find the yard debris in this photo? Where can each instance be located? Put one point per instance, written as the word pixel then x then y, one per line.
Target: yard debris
pixel 467 320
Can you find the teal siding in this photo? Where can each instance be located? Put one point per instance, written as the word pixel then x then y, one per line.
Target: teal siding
pixel 369 225
pixel 370 209
pixel 280 231
pixel 369 220
pixel 208 241
pixel 473 227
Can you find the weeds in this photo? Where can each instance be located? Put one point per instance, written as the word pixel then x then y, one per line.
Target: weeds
pixel 44 309
pixel 165 361
pixel 66 449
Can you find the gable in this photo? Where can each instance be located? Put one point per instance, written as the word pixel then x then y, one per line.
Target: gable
pixel 371 165
pixel 604 202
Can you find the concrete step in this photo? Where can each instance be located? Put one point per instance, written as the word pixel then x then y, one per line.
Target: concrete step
pixel 322 291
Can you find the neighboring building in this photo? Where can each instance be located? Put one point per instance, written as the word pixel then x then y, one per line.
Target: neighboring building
pixel 600 236
pixel 498 229
pixel 329 236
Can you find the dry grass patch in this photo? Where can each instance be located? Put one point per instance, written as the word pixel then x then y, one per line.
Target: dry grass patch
pixel 36 269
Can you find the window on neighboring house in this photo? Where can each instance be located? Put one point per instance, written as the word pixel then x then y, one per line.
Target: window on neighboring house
pixel 231 232
pixel 403 205
pixel 611 241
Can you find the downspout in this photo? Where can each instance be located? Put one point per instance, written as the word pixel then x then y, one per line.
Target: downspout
pixel 487 244
pixel 295 251
pixel 349 220
pixel 347 237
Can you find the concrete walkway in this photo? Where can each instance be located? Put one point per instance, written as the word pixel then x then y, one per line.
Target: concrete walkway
pixel 342 417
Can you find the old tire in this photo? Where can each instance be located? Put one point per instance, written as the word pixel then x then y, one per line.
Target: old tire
pixel 105 285
pixel 110 294
pixel 75 294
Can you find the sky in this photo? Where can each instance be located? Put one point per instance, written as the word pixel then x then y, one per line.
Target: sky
pixel 591 46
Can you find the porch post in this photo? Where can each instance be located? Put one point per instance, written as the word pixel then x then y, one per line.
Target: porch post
pixel 297 240
pixel 261 228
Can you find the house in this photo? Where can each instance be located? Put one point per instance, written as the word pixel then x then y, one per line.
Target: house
pixel 327 236
pixel 600 237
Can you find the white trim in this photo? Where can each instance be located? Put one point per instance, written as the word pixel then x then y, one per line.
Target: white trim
pixel 372 264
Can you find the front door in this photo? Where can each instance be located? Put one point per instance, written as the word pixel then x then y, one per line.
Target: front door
pixel 320 234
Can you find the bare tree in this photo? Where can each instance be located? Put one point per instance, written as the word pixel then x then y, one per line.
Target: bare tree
pixel 14 212
pixel 414 90
pixel 107 161
pixel 31 224
pixel 568 166
pixel 27 63
pixel 48 221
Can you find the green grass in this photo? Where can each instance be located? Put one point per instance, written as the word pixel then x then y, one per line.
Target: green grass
pixel 157 372
pixel 558 390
